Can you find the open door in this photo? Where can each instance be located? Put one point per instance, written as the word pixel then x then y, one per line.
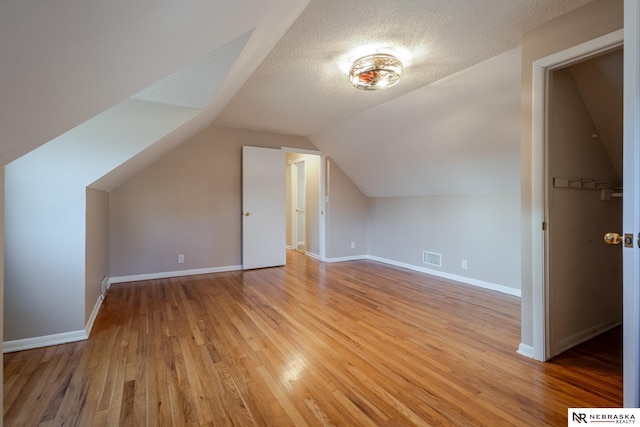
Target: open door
pixel 631 205
pixel 263 208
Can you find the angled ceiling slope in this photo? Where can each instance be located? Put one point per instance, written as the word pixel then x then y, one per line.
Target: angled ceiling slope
pixel 436 132
pixel 459 135
pixel 195 84
pixel 302 86
pixel 194 87
pixel 67 61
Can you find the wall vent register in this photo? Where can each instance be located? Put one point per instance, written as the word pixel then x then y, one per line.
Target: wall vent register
pixel 432 258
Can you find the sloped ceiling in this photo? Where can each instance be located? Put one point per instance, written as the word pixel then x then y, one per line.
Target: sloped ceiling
pixel 430 134
pixel 600 82
pixel 459 135
pixel 64 62
pixel 195 85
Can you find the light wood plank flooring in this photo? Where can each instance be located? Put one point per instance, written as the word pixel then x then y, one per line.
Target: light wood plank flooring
pixel 348 344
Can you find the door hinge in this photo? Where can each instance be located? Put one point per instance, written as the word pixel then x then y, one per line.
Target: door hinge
pixel 544 226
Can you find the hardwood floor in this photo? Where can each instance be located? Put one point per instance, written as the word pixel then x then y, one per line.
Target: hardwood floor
pixel 354 344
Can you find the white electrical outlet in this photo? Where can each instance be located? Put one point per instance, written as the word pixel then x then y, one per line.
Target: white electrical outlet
pixel 180 258
pixel 464 264
pixel 353 245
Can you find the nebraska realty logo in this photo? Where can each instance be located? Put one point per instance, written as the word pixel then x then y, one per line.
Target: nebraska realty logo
pixel 602 416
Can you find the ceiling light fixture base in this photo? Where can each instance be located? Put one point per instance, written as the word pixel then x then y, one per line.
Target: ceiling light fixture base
pixel 377 71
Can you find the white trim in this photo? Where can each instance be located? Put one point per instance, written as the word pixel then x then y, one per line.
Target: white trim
pixel 631 207
pixel 539 287
pixel 347 258
pixel 525 350
pixel 294 192
pixel 94 314
pixel 467 280
pixel 582 51
pixel 178 273
pixel 45 341
pixel 301 151
pixel 323 209
pixel 312 255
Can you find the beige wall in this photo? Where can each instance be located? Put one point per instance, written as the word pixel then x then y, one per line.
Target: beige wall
pixel 481 229
pixel 188 202
pixel 97 247
pixel 346 215
pixel 593 20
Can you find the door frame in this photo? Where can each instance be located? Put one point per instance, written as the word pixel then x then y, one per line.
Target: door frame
pixel 540 276
pixel 321 195
pixel 631 220
pixel 631 205
pixel 294 202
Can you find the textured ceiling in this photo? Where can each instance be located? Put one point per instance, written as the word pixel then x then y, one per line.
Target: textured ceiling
pixel 195 85
pixel 459 135
pixel 450 126
pixel 302 88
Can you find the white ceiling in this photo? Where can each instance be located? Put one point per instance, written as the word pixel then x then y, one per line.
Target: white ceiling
pixel 302 86
pixel 66 61
pixel 452 124
pixel 459 135
pixel 454 114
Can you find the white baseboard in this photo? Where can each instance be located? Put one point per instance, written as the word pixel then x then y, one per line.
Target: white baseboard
pixel 312 255
pixel 525 350
pixel 178 273
pixel 455 277
pixel 347 258
pixel 583 336
pixel 45 341
pixel 55 339
pixel 94 314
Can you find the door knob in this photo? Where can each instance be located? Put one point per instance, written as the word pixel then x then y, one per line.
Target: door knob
pixel 247 213
pixel 613 238
pixel 616 239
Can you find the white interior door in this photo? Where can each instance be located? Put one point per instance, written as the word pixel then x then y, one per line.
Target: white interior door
pixel 631 205
pixel 263 208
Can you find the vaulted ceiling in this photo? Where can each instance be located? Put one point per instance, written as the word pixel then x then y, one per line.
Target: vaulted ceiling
pixel 450 126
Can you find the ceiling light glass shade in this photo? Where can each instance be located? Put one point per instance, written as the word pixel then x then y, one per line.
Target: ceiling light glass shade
pixel 376 71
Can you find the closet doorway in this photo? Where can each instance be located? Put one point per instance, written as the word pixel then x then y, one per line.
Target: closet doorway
pixel 584 199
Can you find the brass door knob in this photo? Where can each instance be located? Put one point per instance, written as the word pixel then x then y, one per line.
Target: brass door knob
pixel 247 213
pixel 613 238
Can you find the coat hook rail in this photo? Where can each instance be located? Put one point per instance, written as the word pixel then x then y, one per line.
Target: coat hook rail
pixel 580 183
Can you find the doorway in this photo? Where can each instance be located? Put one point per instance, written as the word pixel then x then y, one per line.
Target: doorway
pixel 266 202
pixel 298 206
pixel 540 257
pixel 305 213
pixel 583 186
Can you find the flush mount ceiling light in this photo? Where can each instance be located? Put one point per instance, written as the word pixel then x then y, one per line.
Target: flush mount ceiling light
pixel 377 71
